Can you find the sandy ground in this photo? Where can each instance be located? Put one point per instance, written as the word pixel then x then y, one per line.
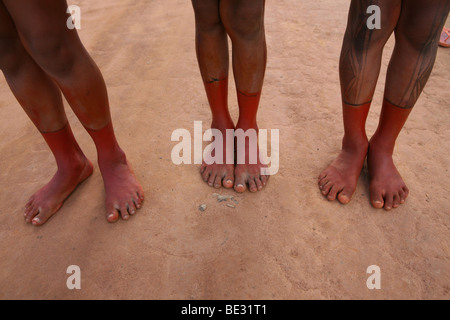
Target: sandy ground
pixel 287 242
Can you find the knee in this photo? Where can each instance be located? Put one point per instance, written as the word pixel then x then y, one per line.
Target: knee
pixel 364 39
pixel 245 24
pixel 207 23
pixel 417 39
pixel 52 53
pixel 11 53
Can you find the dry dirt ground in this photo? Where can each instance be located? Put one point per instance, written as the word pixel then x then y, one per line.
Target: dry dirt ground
pixel 287 242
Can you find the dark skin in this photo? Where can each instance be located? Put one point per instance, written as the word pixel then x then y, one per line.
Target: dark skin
pixel 41 58
pixel 417 25
pixel 243 22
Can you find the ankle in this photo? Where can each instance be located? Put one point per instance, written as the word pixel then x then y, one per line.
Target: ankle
pixel 74 162
pixel 222 123
pixel 246 125
pixel 382 145
pixel 355 143
pixel 112 155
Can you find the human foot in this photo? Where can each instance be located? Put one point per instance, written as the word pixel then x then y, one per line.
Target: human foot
pixel 219 175
pixel 387 188
pixel 248 173
pixel 49 199
pixel 339 180
pixel 124 194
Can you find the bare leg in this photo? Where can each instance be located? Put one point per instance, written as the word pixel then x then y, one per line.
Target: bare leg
pixel 58 51
pixel 212 55
pixel 244 22
pixel 359 71
pixel 417 37
pixel 41 100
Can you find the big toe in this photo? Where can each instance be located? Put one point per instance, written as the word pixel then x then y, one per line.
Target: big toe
pixel 345 196
pixel 228 182
pixel 41 218
pixel 376 198
pixel 239 185
pixel 112 213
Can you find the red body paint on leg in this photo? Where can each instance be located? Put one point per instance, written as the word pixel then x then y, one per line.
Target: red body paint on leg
pixel 340 179
pixel 247 174
pixel 124 194
pixel 218 175
pixel 387 188
pixel 248 109
pixel 217 93
pixel 73 168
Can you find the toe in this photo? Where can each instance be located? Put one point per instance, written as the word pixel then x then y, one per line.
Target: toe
pixel 32 212
pixel 41 218
pixel 259 184
pixel 137 201
pixel 252 185
pixel 345 196
pixel 264 180
pixel 112 213
pixel 389 202
pixel 28 210
pixel 218 182
pixel 124 211
pixel 396 202
pixel 326 188
pixel 206 174
pixel 323 183
pixel 333 193
pixel 141 197
pixel 228 182
pixel 406 191
pixel 239 185
pixel 131 208
pixel 377 199
pixel 141 194
pixel 211 179
pixel 402 196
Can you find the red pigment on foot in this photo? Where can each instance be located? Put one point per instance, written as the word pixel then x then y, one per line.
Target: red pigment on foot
pixel 340 179
pixel 387 188
pixel 124 194
pixel 73 168
pixel 249 175
pixel 219 175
